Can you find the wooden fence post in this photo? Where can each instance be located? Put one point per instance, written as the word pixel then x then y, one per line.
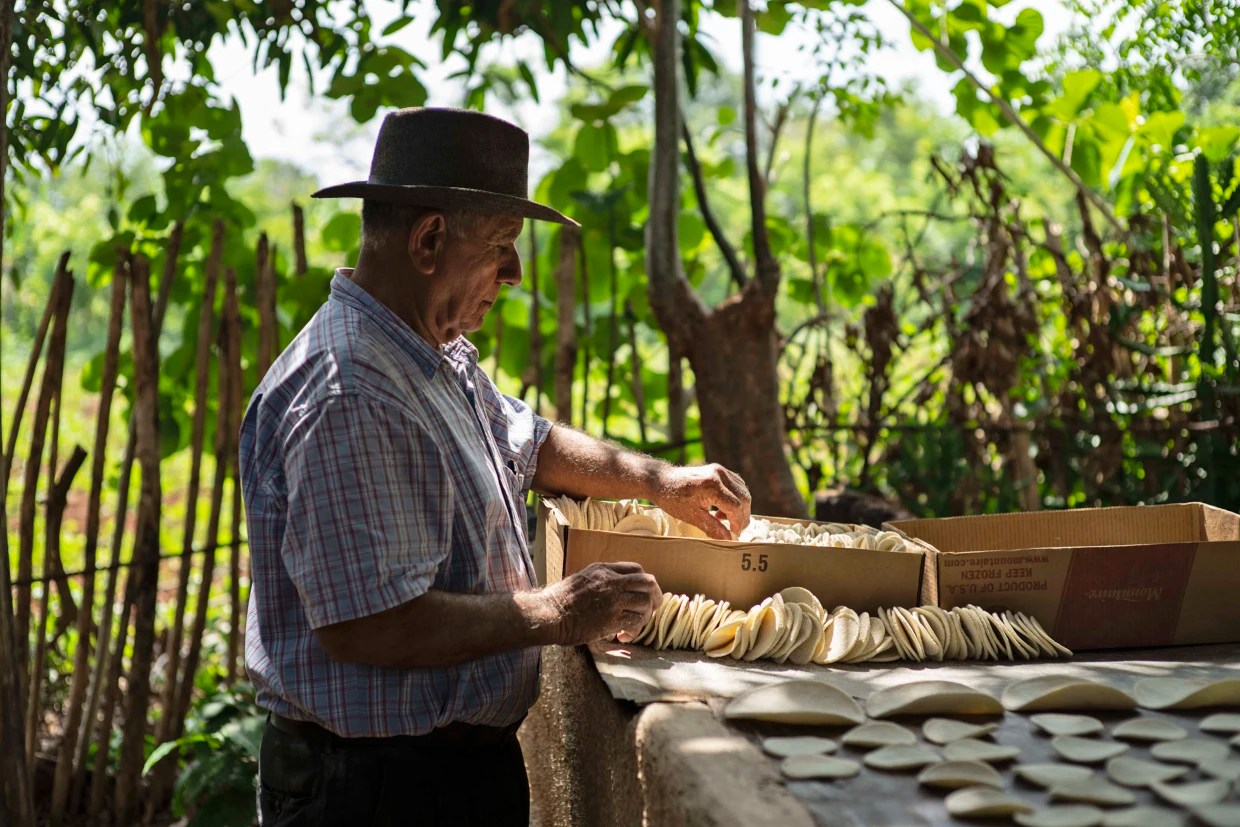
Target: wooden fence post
pixel 146 543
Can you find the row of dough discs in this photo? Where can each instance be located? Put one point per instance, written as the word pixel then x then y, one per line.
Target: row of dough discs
pixel 792 626
pixel 623 516
pixel 629 517
pixel 1092 779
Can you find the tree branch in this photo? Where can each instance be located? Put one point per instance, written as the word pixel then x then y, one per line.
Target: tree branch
pixel 1013 118
pixel 566 329
pixel 766 265
pixel 735 269
pixel 154 59
pixel 777 128
pixel 814 274
pixel 672 299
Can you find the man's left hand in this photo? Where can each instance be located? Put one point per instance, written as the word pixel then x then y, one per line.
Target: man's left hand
pixel 689 493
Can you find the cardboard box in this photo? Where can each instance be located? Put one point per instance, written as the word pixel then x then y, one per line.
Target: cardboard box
pixel 1095 578
pixel 741 573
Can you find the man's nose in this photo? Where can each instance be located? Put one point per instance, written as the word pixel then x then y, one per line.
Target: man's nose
pixel 510 267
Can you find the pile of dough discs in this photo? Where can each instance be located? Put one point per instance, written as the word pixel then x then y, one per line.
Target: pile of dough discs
pixel 623 516
pixel 629 517
pixel 793 626
pixel 1093 780
pixel 835 535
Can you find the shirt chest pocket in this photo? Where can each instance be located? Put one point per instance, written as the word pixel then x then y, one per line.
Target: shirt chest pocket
pixel 514 481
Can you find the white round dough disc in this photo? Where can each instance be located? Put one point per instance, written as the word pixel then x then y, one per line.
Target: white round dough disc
pixel 796 702
pixel 800 767
pixel 787 746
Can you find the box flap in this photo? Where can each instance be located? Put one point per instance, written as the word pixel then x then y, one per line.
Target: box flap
pixel 1218 524
pixel 1131 525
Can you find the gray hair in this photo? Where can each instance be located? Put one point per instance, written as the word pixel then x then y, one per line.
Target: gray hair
pixel 381 219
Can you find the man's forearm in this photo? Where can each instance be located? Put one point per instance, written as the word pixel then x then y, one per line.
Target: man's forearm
pixel 441 629
pixel 444 629
pixel 570 462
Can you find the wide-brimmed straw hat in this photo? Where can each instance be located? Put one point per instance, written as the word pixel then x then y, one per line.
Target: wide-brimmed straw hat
pixel 450 158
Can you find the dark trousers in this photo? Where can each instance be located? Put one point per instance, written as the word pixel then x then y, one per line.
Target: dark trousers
pixel 460 775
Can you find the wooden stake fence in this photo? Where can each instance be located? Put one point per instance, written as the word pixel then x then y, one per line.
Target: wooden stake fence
pixel 146 543
pixel 110 679
pixel 81 660
pixel 202 364
pixel 232 324
pixel 106 672
pixel 34 465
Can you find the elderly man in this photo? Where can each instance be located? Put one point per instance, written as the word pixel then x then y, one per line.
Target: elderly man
pixel 395 623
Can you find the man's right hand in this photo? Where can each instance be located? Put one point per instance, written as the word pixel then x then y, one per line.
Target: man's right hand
pixel 602 600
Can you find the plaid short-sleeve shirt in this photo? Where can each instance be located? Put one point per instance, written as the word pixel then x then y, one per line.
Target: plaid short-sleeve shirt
pixel 375 467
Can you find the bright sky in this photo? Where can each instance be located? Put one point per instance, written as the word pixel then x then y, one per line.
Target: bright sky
pixel 293 129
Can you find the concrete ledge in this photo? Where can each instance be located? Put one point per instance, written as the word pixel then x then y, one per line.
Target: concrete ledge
pixel 578 745
pixel 595 761
pixel 695 772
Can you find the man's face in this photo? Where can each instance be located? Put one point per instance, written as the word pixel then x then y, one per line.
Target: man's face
pixel 475 267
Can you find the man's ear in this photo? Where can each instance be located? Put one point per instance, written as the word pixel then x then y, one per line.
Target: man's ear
pixel 426 241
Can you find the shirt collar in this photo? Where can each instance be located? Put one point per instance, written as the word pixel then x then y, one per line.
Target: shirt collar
pixel 460 351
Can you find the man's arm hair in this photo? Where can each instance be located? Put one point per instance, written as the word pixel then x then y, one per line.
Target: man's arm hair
pixel 570 462
pixel 440 628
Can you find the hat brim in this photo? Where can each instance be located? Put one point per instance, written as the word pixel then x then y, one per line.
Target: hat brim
pixel 447 197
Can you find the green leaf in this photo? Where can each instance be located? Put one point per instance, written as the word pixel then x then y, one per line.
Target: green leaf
pixel 396 25
pixel 920 42
pixel 591 112
pixel 515 355
pixel 969 15
pixel 980 114
pixel 626 95
pixel 168 747
pixel 1217 142
pixel 245 733
pixel 365 103
pixel 1077 87
pixel 1087 158
pixel 775 18
pixel 515 310
pixel 1160 128
pixel 528 76
pixel 801 290
pixel 691 230
pixel 1022 35
pixel 342 232
pixel 594 146
pixel 1112 121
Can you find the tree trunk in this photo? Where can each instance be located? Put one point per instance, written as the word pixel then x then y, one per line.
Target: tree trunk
pixel 34 465
pixel 566 331
pixel 57 499
pixel 534 373
pixel 732 348
pixel 146 542
pixel 265 296
pixel 81 659
pixel 232 321
pixel 50 392
pixel 301 267
pixel 677 404
pixel 198 425
pixel 108 660
pixel 734 358
pixel 16 805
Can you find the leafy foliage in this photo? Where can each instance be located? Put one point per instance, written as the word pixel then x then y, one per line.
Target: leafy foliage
pixel 217 785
